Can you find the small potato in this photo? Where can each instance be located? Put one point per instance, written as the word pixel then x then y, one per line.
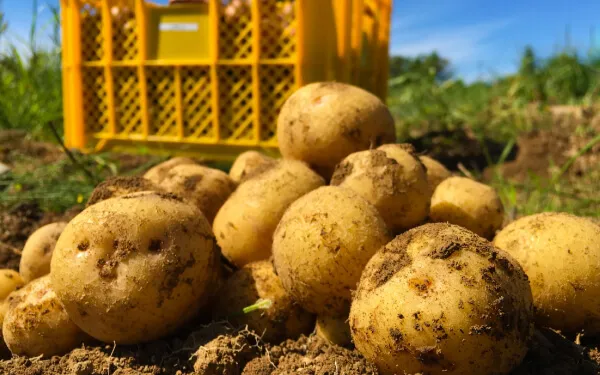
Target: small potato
pixel 334 329
pixel 37 252
pixel 207 188
pixel 322 123
pixel 279 320
pixel 560 253
pixel 118 186
pixel 37 324
pixel 398 188
pixel 9 282
pixel 436 172
pixel 248 164
pixel 322 244
pixel 157 173
pixel 468 203
pixel 439 299
pixel 134 268
pixel 245 224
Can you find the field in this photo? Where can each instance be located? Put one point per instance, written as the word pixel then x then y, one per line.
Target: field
pixel 533 136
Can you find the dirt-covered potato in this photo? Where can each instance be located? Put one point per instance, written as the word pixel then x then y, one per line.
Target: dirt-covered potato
pixel 560 253
pixel 248 164
pixel 207 188
pixel 436 172
pixel 157 173
pixel 322 244
pixel 334 329
pixel 397 187
pixel 276 318
pixel 322 123
pixel 37 324
pixel 245 224
pixel 439 299
pixel 37 252
pixel 468 203
pixel 118 186
pixel 134 268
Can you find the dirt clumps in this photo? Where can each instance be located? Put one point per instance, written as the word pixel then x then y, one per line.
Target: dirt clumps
pixel 120 185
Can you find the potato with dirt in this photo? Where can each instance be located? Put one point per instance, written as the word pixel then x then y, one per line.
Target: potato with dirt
pixel 322 123
pixel 37 252
pixel 36 323
pixel 436 172
pixel 322 244
pixel 248 164
pixel 560 253
pixel 134 268
pixel 334 329
pixel 277 316
pixel 157 173
pixel 468 203
pixel 440 299
pixel 10 281
pixel 206 188
pixel 397 186
pixel 245 224
pixel 120 185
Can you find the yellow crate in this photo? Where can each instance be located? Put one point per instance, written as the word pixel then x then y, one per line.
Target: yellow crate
pixel 187 79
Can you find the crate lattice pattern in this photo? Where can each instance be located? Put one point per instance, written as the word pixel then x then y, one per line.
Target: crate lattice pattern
pixel 277 84
pixel 161 101
pixel 128 108
pixel 235 33
pixel 235 103
pixel 95 103
pixel 92 41
pixel 125 35
pixel 278 27
pixel 198 116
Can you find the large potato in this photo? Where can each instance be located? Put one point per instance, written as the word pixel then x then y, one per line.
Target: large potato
pixel 207 188
pixel 322 123
pixel 120 185
pixel 322 244
pixel 134 268
pixel 436 172
pixel 37 324
pixel 248 164
pixel 245 224
pixel 468 203
pixel 398 187
pixel 439 299
pixel 561 255
pixel 37 252
pixel 157 173
pixel 280 319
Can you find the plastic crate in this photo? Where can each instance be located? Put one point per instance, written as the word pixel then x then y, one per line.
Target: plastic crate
pixel 186 79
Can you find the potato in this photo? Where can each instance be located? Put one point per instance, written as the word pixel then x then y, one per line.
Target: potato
pixel 37 324
pixel 322 244
pixel 248 164
pixel 207 188
pixel 37 252
pixel 134 268
pixel 322 123
pixel 436 172
pixel 245 224
pixel 560 253
pixel 440 299
pixel 9 282
pixel 157 173
pixel 468 203
pixel 398 188
pixel 120 185
pixel 334 329
pixel 279 319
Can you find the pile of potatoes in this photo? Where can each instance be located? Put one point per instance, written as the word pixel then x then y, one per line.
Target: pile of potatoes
pixel 349 235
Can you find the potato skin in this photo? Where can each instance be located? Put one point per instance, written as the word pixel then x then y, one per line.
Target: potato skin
pixel 322 244
pixel 134 268
pixel 283 320
pixel 9 282
pixel 248 164
pixel 468 203
pixel 157 173
pixel 37 252
pixel 118 186
pixel 36 323
pixel 322 123
pixel 560 253
pixel 207 188
pixel 439 299
pixel 245 224
pixel 397 188
pixel 436 172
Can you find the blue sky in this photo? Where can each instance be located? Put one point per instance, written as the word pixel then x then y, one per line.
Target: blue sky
pixel 481 38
